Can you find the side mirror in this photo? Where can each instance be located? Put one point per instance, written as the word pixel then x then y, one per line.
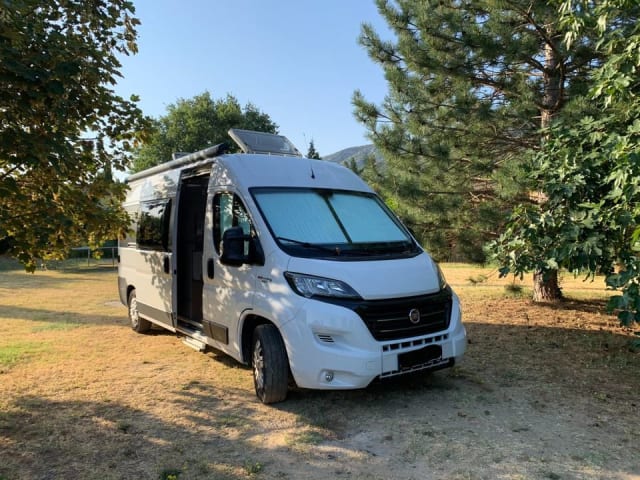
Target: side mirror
pixel 232 249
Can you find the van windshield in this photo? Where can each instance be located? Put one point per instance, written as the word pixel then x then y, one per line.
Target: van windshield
pixel 332 223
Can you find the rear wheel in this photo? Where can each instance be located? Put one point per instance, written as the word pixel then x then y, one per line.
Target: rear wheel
pixel 138 324
pixel 270 364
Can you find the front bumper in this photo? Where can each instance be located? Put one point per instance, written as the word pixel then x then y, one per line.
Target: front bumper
pixel 330 347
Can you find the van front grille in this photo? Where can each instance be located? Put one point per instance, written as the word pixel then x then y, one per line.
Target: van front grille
pixel 397 318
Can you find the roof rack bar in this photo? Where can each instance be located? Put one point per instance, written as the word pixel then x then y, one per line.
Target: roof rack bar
pixel 210 152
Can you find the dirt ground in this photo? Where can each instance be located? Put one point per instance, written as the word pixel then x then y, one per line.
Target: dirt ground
pixel 544 392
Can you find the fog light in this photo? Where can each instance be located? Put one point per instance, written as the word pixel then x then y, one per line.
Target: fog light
pixel 328 376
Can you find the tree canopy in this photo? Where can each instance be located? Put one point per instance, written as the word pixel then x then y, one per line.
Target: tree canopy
pixel 472 85
pixel 196 123
pixel 62 125
pixel 469 85
pixel 589 171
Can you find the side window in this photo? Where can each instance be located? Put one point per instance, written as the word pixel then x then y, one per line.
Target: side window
pixel 129 237
pixel 228 211
pixel 153 226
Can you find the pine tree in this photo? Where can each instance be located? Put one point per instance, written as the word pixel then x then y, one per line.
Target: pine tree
pixel 312 152
pixel 471 84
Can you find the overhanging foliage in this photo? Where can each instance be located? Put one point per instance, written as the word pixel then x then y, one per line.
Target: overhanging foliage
pixel 589 173
pixel 59 65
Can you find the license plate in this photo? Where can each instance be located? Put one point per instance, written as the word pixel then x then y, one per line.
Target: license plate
pixel 419 357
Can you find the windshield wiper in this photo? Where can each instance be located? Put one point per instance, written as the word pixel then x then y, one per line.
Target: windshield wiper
pixel 322 248
pixel 380 249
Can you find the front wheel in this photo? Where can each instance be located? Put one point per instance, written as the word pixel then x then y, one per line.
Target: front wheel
pixel 138 324
pixel 270 364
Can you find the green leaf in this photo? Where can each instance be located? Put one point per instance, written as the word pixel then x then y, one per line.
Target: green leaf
pixel 626 317
pixel 59 65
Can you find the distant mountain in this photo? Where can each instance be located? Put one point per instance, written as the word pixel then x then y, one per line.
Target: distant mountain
pixel 357 153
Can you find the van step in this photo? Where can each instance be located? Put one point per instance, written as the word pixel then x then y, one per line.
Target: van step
pixel 195 344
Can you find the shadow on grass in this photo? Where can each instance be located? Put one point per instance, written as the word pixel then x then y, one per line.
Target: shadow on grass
pixel 119 317
pixel 44 315
pixel 91 440
pixel 532 358
pixel 45 438
pixel 206 431
pixel 103 440
pixel 578 305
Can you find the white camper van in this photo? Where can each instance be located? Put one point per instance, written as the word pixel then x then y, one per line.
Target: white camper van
pixel 293 266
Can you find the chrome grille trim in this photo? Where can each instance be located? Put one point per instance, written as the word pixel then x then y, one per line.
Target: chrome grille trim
pixel 390 347
pixel 432 365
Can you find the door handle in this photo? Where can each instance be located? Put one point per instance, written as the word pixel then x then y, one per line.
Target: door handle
pixel 210 268
pixel 166 265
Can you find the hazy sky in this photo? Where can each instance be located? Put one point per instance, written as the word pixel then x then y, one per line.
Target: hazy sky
pixel 298 61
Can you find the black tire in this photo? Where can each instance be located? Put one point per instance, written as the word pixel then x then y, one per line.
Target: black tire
pixel 138 324
pixel 270 364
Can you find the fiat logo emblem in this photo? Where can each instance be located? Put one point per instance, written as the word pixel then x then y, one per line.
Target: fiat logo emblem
pixel 414 315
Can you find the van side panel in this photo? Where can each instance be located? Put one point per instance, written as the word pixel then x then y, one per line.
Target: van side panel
pixel 228 290
pixel 148 268
pixel 144 271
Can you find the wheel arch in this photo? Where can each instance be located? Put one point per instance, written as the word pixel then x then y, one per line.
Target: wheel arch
pixel 249 325
pixel 129 289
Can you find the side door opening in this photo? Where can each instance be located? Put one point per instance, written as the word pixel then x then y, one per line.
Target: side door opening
pixel 190 225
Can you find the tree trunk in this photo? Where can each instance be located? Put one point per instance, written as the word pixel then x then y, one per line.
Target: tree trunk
pixel 545 286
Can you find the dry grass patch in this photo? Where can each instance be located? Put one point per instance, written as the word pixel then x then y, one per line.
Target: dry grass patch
pixel 545 391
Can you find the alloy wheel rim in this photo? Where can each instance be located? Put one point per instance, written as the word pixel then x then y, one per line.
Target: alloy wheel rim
pixel 258 366
pixel 133 312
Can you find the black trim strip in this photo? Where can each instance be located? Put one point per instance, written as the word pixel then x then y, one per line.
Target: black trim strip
pixel 122 290
pixel 154 314
pixel 216 331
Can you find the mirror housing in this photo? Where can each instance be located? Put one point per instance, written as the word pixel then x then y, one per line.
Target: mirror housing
pixel 233 247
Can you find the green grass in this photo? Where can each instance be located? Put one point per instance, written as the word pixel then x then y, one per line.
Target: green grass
pixel 170 474
pixel 309 437
pixel 513 290
pixel 253 468
pixel 16 352
pixel 63 326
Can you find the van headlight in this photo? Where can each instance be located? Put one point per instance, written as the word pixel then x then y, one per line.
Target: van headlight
pixel 312 286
